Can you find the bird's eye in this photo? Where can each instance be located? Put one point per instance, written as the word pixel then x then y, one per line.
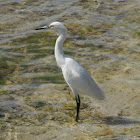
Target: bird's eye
pixel 51 26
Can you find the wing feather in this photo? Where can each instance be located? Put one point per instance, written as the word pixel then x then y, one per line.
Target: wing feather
pixel 80 81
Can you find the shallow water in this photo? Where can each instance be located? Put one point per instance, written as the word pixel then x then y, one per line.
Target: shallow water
pixel 103 37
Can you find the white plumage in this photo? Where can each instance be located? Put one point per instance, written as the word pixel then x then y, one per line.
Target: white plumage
pixel 80 81
pixel 74 74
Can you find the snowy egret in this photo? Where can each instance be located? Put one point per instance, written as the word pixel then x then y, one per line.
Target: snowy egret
pixel 74 74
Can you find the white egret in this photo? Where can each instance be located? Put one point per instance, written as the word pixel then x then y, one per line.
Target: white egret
pixel 74 74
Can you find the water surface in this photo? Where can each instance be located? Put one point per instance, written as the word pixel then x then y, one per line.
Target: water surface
pixel 103 37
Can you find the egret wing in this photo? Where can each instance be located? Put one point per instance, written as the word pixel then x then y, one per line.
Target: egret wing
pixel 80 81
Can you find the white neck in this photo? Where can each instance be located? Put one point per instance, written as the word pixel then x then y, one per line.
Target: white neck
pixel 59 54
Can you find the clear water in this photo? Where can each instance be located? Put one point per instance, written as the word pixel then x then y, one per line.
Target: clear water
pixel 103 36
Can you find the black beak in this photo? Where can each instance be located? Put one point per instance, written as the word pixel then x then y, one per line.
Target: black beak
pixel 44 27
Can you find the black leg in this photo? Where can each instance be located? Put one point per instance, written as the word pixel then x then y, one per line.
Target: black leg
pixel 78 106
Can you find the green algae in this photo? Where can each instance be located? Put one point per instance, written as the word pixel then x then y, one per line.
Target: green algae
pixel 35 52
pixel 88 4
pixel 84 31
pixel 41 37
pixel 13 4
pixel 47 78
pixel 5 71
pixel 136 34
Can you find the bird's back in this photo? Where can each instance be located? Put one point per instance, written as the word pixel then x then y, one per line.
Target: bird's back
pixel 80 81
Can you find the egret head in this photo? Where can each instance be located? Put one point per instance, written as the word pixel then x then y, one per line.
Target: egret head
pixel 55 26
